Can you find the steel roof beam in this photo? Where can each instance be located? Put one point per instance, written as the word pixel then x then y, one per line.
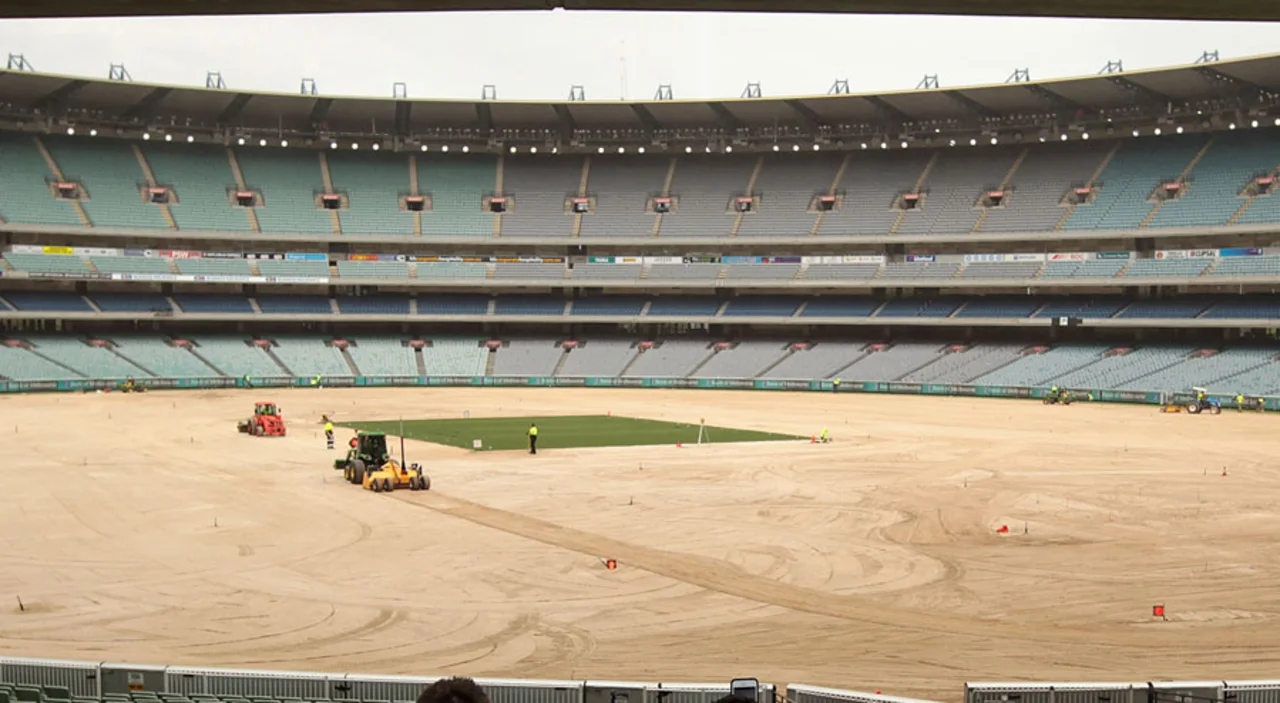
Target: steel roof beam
pixel 650 122
pixel 55 97
pixel 234 108
pixel 811 120
pixel 889 111
pixel 485 115
pixel 1053 98
pixel 320 111
pixel 567 124
pixel 1218 78
pixel 1150 94
pixel 728 120
pixel 404 110
pixel 969 103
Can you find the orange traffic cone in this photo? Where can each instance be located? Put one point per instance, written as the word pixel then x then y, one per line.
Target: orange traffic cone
pixel 1004 530
pixel 1224 471
pixel 813 439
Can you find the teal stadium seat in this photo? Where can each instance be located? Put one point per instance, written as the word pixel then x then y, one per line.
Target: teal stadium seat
pixel 1213 191
pixel 279 267
pixel 46 263
pixel 25 195
pixel 130 264
pixel 373 184
pixel 457 186
pixel 112 178
pixel 202 180
pixel 157 356
pixel 289 181
pixel 1128 181
pixel 373 269
pixel 383 356
pixel 214 267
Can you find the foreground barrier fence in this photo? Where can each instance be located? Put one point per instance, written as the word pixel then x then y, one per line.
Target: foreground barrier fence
pixel 119 683
pixel 942 389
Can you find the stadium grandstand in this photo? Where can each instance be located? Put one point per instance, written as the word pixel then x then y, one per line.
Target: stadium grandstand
pixel 1118 236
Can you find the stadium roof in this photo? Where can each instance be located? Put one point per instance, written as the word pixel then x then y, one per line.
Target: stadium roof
pixel 1164 9
pixel 1249 83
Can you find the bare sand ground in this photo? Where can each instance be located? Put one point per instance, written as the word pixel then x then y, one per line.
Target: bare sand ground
pixel 872 562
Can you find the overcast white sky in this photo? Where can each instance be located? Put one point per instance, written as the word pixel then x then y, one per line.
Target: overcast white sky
pixel 539 55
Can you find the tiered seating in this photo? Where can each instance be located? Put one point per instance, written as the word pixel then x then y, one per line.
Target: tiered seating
pixel 46 263
pixel 1254 307
pixel 786 188
pixel 693 273
pixel 524 357
pixel 202 179
pixel 694 306
pixel 819 361
pixel 373 269
pixel 603 358
pixel 214 267
pixel 672 358
pixel 1181 308
pixel 22 365
pixel 374 305
pixel 607 272
pixel 920 307
pixel 310 356
pixel 1209 372
pixel 25 196
pixel 1033 201
pixel 761 272
pixel 763 306
pixel 999 306
pixel 112 177
pixel 964 366
pixel 954 185
pixel 1128 181
pixel 157 356
pixel 213 303
pixel 289 181
pixel 840 272
pixel 1088 308
pixel 1092 268
pixel 1246 266
pixel 47 300
pixel 610 305
pixel 451 271
pixel 704 185
pixel 743 360
pixel 871 184
pixel 840 307
pixel 294 304
pixel 1213 190
pixel 383 356
pixel 444 304
pixel 281 267
pixel 455 357
pixel 235 357
pixel 621 186
pixel 130 264
pixel 554 272
pixel 373 184
pixel 1043 369
pixel 1001 269
pixel 892 364
pixel 899 270
pixel 132 302
pixel 540 185
pixel 457 185
pixel 1167 267
pixel 529 305
pixel 1114 371
pixel 1261 380
pixel 93 362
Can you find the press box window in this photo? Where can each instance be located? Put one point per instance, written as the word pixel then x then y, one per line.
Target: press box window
pixel 415 203
pixel 580 206
pixel 744 204
pixel 331 202
pixel 67 190
pixel 245 198
pixel 497 205
pixel 824 203
pixel 992 198
pixel 910 201
pixel 662 206
pixel 158 196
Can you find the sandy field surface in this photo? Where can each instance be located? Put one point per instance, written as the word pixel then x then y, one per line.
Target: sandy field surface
pixel 144 528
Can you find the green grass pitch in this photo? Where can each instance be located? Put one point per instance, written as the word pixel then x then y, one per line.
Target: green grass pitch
pixel 506 433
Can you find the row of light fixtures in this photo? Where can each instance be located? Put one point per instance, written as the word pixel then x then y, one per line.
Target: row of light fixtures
pixel 146 136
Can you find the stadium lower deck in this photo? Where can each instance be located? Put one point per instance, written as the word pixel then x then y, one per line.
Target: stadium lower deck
pixel 870 563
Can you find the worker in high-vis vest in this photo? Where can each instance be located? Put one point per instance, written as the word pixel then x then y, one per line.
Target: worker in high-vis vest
pixel 533 439
pixel 835 386
pixel 826 436
pixel 328 432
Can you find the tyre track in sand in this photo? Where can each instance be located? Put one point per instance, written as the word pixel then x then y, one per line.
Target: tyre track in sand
pixel 728 579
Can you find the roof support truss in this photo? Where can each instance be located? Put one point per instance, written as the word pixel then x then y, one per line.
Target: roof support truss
pixel 1238 86
pixel 888 111
pixel 970 104
pixel 727 119
pixel 646 118
pixel 404 110
pixel 1141 90
pixel 320 111
pixel 234 108
pixel 567 124
pixel 811 120
pixel 62 93
pixel 485 115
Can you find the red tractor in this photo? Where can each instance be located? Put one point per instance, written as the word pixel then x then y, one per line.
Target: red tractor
pixel 266 421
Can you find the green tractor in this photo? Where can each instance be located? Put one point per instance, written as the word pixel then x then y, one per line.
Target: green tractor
pixel 369 451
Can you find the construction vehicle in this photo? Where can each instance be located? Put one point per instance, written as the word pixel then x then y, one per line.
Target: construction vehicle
pixel 1201 402
pixel 390 474
pixel 267 421
pixel 369 450
pixel 1059 398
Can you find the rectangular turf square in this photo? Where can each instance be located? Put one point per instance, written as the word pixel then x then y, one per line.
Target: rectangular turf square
pixel 562 432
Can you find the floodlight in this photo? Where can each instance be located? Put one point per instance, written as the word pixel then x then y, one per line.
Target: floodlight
pixel 94 132
pixel 994 141
pixel 261 142
pixel 817 147
pixel 1254 124
pixel 622 150
pixel 284 142
pixel 1157 130
pixel 1042 139
pixel 71 131
pixel 146 136
pixel 513 150
pixel 600 150
pixel 775 147
pixel 1135 132
pixel 884 144
pixel 533 150
pixel 465 148
pixel 795 147
pixel 168 137
pixel 190 139
pixel 355 146
pixel 641 150
pixel 424 147
pixel 864 145
pixel 1084 136
pixel 1278 121
pixel 445 148
pixel 688 150
pixel 333 145
pixel 904 144
pixel 1231 126
pixel 240 141
pixel 728 149
pixel 973 142
pixel 376 146
pixel 1063 136
pixel 708 150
